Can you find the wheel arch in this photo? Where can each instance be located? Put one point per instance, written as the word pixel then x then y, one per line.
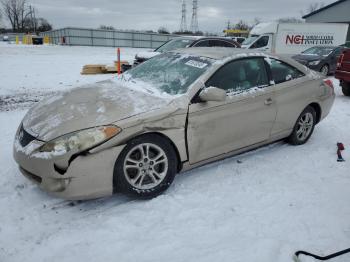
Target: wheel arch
pixel 318 111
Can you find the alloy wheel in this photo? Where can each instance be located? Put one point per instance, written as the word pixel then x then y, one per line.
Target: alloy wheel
pixel 305 126
pixel 324 70
pixel 145 166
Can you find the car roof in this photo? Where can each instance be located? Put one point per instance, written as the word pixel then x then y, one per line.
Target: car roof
pixel 191 37
pixel 219 53
pixel 203 37
pixel 223 53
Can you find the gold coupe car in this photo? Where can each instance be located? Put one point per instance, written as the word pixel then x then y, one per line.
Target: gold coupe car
pixel 176 111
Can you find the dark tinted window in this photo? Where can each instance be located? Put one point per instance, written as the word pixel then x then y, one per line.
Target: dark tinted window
pixel 282 72
pixel 262 41
pixel 338 51
pixel 240 39
pixel 241 75
pixel 221 43
pixel 202 43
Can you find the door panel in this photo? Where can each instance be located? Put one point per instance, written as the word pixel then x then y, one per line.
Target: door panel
pixel 216 128
pixel 292 92
pixel 291 99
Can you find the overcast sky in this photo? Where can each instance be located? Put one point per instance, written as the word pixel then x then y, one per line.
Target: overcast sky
pixel 151 14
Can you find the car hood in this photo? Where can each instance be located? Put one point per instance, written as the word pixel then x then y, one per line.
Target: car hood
pixel 93 105
pixel 307 58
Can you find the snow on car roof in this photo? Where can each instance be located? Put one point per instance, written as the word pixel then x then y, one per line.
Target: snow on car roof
pixel 223 54
pixel 220 53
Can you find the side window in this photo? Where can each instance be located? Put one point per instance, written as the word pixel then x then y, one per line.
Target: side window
pixel 282 72
pixel 221 43
pixel 338 51
pixel 261 42
pixel 240 40
pixel 241 75
pixel 203 43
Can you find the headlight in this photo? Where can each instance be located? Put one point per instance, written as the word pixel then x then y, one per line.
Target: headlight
pixel 80 140
pixel 314 62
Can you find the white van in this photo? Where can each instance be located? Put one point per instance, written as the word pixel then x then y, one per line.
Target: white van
pixel 293 38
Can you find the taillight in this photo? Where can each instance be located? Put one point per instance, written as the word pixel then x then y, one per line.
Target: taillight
pixel 340 61
pixel 329 83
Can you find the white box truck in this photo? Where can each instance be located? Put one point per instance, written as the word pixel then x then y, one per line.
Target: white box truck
pixel 293 38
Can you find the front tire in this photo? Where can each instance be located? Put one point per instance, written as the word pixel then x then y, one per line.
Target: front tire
pixel 304 127
pixel 346 88
pixel 146 167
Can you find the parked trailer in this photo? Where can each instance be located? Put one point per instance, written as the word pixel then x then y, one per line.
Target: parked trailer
pixel 293 38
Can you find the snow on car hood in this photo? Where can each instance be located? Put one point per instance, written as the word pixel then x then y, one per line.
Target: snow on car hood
pixel 89 106
pixel 147 55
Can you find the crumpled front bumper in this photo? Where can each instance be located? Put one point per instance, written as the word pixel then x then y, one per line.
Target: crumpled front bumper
pixel 87 176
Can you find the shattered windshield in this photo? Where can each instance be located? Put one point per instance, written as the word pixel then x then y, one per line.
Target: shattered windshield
pixel 175 44
pixel 170 72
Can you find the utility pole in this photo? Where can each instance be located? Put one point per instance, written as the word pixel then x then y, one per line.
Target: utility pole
pixel 34 20
pixel 183 26
pixel 194 22
pixel 31 16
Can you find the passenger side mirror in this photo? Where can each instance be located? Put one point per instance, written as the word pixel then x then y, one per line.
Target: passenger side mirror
pixel 212 94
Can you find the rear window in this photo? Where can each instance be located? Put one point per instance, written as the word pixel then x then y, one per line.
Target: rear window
pixel 282 72
pixel 175 44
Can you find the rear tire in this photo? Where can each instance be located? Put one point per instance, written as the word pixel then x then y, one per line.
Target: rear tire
pixel 346 88
pixel 146 167
pixel 304 127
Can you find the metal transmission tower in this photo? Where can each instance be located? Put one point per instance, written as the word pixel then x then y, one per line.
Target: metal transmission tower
pixel 194 22
pixel 183 27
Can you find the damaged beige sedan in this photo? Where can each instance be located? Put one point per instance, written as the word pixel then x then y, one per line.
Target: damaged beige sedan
pixel 174 112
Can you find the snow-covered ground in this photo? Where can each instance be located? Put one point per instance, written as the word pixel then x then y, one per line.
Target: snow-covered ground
pixel 30 73
pixel 264 207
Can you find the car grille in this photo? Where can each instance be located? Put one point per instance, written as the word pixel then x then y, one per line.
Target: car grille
pixel 24 137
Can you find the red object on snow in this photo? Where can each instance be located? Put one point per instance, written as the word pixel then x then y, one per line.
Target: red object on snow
pixel 340 148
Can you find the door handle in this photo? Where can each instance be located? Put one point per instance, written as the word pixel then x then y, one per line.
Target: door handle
pixel 268 101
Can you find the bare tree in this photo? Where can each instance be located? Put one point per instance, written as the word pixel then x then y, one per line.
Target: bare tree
pixel 17 12
pixel 313 7
pixel 257 20
pixel 241 25
pixel 163 30
pixel 106 27
pixel 43 25
pixel 40 24
pixel 1 25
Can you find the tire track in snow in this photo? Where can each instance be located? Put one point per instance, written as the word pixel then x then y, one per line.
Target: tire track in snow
pixel 23 100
